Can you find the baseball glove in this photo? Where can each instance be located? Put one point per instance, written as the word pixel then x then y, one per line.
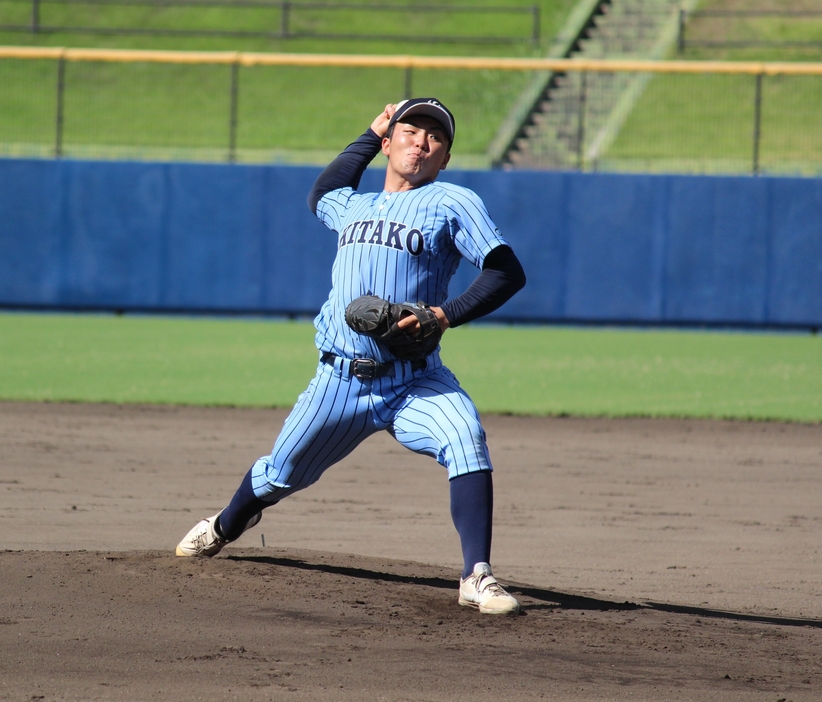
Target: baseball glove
pixel 378 318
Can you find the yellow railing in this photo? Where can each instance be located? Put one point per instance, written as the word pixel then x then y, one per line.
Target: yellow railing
pixel 245 58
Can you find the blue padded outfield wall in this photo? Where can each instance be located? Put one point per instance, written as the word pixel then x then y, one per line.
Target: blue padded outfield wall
pixel 234 238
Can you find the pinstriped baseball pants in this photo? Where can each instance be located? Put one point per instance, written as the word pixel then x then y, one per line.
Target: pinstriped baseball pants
pixel 425 410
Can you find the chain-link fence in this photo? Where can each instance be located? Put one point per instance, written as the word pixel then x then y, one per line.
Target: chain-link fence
pixel 276 19
pixel 682 117
pixel 662 116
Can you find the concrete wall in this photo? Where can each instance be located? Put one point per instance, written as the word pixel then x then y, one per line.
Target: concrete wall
pixel 230 238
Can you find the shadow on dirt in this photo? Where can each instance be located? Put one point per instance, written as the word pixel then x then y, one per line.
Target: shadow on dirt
pixel 552 598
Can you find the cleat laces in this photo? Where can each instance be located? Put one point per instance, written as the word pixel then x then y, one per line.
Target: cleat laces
pixel 488 585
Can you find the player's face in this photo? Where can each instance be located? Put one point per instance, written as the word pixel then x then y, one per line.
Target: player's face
pixel 417 151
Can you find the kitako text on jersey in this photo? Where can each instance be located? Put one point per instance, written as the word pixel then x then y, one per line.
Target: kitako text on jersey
pixel 400 246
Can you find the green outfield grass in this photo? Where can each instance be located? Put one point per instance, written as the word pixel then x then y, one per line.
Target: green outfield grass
pixel 521 370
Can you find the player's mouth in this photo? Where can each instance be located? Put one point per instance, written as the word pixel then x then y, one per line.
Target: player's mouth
pixel 416 157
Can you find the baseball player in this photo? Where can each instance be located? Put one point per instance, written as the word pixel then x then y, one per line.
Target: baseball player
pixel 401 244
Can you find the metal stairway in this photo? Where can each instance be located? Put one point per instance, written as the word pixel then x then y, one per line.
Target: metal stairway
pixel 572 117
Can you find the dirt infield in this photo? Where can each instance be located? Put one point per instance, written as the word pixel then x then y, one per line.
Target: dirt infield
pixel 655 559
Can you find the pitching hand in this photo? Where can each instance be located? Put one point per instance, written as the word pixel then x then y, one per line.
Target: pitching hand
pixel 380 124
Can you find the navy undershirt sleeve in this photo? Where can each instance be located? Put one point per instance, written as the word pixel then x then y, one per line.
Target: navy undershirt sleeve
pixel 347 169
pixel 501 278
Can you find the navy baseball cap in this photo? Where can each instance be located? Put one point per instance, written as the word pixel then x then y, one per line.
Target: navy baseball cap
pixel 429 107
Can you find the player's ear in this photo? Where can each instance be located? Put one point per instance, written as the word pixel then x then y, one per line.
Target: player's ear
pixel 445 161
pixel 386 145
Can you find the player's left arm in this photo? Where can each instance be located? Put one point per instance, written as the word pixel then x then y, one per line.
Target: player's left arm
pixel 478 239
pixel 501 278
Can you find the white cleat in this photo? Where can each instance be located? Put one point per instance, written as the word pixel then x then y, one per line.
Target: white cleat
pixel 203 540
pixel 482 590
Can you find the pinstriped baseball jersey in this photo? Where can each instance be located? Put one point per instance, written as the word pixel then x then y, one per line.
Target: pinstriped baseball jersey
pixel 400 246
pixel 403 244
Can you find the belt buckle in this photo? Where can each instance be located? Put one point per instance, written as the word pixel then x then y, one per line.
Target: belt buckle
pixel 364 368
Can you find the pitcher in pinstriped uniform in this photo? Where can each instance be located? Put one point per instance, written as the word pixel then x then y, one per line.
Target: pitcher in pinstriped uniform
pixel 403 243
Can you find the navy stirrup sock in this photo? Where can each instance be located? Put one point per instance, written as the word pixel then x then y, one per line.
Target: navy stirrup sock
pixel 472 509
pixel 243 506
